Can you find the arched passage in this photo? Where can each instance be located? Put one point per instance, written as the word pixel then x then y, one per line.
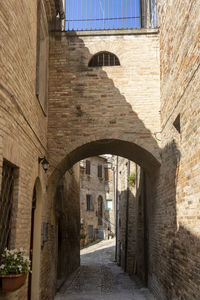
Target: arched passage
pixel 118 147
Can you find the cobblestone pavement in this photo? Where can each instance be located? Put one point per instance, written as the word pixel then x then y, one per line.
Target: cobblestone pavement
pixel 100 278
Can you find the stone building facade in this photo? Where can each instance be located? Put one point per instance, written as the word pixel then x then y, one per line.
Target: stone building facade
pixel 92 198
pixel 133 200
pixel 110 188
pixel 97 199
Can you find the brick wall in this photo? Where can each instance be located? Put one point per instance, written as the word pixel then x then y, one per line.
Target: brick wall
pixel 23 124
pixel 133 219
pixel 67 211
pixel 176 262
pixel 89 104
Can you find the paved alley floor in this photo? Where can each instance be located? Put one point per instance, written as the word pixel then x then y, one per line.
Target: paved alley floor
pixel 100 278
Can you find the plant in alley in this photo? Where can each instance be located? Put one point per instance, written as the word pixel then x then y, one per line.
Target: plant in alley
pixel 132 179
pixel 14 262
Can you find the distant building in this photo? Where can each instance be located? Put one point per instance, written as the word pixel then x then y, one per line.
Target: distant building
pixel 97 207
pixel 92 198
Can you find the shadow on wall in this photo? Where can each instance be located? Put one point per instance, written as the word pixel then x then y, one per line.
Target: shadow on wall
pixel 88 115
pixel 159 251
pixel 67 216
pixel 176 259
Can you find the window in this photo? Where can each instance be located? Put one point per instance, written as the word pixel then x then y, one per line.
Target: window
pixel 106 171
pixel 87 171
pixel 42 58
pixel 100 171
pixel 104 59
pixel 89 202
pixel 177 123
pixel 6 204
pixel 90 232
pixel 100 210
pixel 109 204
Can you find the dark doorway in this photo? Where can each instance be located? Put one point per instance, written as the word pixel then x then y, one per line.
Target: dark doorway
pixel 100 210
pixel 34 200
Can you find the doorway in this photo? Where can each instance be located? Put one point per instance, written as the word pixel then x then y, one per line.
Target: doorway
pixel 100 210
pixel 35 243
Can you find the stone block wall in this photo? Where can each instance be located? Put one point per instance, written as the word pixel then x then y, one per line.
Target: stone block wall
pixel 91 184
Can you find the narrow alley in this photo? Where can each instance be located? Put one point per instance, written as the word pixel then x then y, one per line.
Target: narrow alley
pixel 100 139
pixel 100 278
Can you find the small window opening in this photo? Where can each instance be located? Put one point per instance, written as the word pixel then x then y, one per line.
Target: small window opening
pixel 100 171
pixel 90 232
pixel 177 123
pixel 89 202
pixel 104 59
pixel 87 171
pixel 108 204
pixel 9 176
pixel 106 174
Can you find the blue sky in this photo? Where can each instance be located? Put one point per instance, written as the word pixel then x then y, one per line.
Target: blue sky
pixel 99 9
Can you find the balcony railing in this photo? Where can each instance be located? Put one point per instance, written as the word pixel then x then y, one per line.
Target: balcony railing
pixel 110 14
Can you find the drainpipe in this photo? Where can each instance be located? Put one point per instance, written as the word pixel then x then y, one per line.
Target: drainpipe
pixel 145 230
pixel 127 219
pixel 116 212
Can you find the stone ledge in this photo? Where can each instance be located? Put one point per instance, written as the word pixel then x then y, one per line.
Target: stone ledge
pixel 143 31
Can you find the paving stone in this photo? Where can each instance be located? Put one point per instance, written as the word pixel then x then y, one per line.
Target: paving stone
pixel 100 278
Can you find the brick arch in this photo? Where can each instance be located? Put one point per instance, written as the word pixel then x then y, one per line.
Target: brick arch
pixel 102 110
pixel 127 149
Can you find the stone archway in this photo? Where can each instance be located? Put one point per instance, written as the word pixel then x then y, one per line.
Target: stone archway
pixel 117 147
pixel 93 111
pixel 148 161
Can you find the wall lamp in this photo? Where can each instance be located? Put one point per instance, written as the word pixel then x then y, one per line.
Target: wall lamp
pixel 44 162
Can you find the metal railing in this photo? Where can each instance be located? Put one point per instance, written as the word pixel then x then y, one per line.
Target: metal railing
pixel 109 14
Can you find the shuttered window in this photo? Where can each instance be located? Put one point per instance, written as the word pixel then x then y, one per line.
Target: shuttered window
pixel 89 202
pixel 100 171
pixel 87 171
pixel 90 232
pixel 106 174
